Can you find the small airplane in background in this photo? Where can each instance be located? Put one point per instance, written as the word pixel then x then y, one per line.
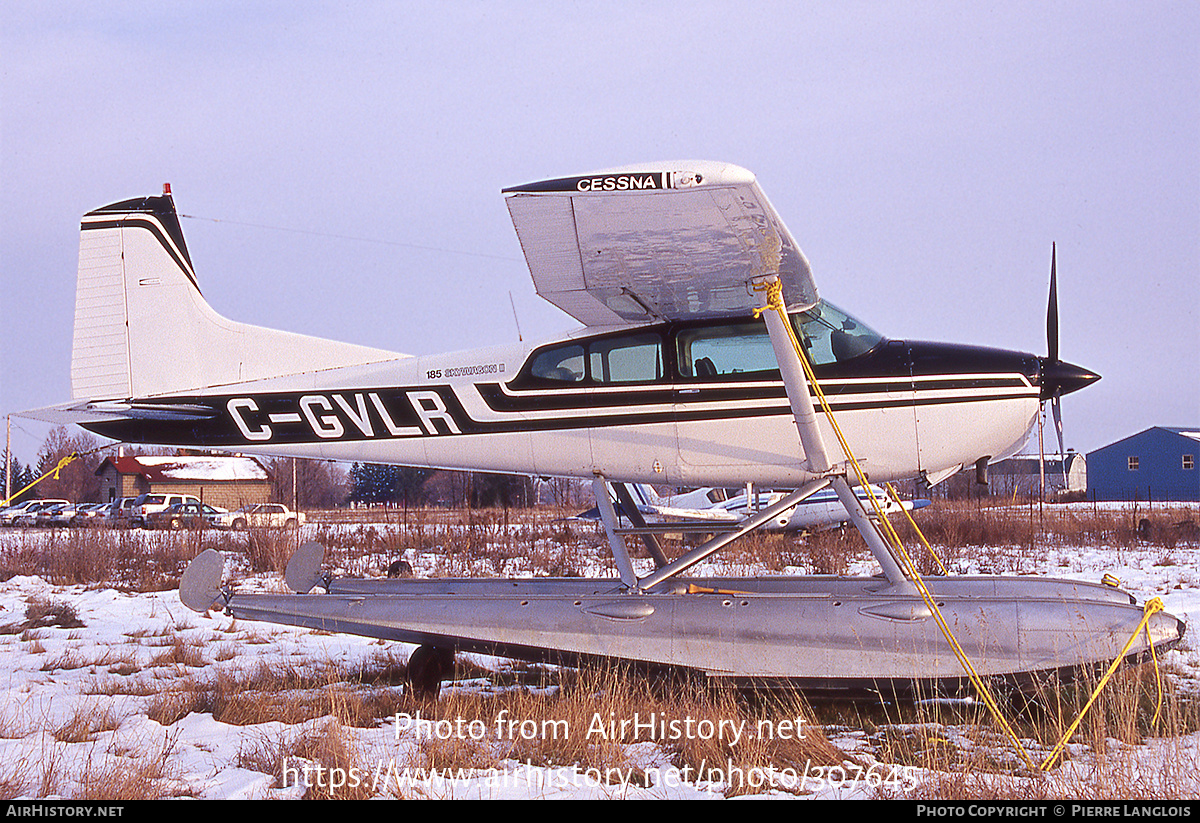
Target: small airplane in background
pixel 706 509
pixel 706 358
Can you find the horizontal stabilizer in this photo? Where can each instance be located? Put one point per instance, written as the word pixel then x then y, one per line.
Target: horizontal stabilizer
pixel 82 411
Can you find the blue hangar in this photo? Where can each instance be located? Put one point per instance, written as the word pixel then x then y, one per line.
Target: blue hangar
pixel 1156 465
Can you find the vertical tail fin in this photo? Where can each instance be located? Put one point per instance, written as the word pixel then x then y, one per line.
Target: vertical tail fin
pixel 142 327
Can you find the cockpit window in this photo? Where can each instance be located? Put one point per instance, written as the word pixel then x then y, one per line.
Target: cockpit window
pixel 743 348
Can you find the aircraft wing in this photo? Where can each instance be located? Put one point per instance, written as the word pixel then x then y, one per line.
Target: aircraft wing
pixel 714 515
pixel 663 241
pixel 670 515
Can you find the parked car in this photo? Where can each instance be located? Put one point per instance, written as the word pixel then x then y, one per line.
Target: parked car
pixel 155 502
pixel 190 515
pixel 103 514
pixel 29 516
pixel 7 516
pixel 81 514
pixel 260 516
pixel 46 517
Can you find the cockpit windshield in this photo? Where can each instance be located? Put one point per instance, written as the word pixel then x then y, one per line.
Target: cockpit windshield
pixel 832 336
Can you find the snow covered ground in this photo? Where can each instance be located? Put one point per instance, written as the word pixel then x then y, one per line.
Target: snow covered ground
pixel 112 704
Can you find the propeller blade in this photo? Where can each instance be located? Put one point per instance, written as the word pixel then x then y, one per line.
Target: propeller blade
pixel 1052 308
pixel 1056 410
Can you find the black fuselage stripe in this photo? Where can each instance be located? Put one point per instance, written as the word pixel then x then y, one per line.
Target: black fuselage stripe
pixel 219 430
pixel 499 401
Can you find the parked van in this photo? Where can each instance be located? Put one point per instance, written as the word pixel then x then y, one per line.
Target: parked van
pixel 119 513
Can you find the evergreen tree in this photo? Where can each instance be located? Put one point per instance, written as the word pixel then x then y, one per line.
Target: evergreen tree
pixel 373 483
pixel 21 476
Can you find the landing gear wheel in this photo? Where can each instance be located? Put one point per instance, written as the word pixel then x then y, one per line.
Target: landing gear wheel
pixel 427 668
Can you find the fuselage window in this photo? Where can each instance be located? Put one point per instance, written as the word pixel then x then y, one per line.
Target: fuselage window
pixel 734 350
pixel 563 364
pixel 716 351
pixel 631 358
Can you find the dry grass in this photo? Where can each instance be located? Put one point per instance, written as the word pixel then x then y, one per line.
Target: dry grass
pixel 86 757
pixel 268 550
pixel 181 653
pixel 133 771
pixel 957 524
pixel 41 614
pixel 959 754
pixel 87 722
pixel 360 697
pixel 596 721
pixel 121 558
pixel 340 758
pixel 477 542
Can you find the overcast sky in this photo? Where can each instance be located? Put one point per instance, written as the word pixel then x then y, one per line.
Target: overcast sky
pixel 343 164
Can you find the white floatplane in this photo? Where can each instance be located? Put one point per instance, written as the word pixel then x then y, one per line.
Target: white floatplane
pixel 707 509
pixel 707 358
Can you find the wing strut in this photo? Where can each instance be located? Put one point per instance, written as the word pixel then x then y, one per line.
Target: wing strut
pixel 797 377
pixel 787 348
pixel 635 516
pixel 616 542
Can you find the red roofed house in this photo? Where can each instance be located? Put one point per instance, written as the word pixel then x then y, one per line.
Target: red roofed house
pixel 227 482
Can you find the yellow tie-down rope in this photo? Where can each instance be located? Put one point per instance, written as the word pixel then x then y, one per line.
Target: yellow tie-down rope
pixel 62 464
pixel 774 302
pixel 917 529
pixel 1152 607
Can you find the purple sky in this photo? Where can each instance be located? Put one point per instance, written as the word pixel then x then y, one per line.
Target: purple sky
pixel 924 155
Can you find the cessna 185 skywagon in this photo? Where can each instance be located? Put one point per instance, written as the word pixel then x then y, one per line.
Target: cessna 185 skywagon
pixel 706 358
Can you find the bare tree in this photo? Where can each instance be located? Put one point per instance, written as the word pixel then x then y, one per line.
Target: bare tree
pixel 77 481
pixel 320 484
